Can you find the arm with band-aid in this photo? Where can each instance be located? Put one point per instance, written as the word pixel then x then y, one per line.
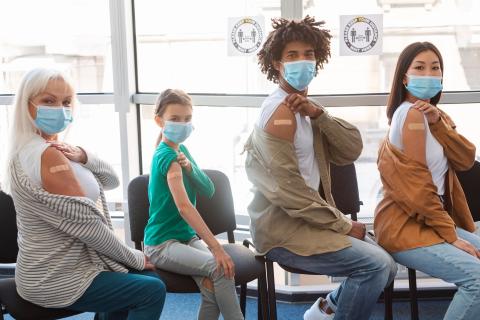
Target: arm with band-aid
pixel 416 126
pixel 414 136
pixel 282 124
pixel 57 175
pixel 186 209
pixel 59 168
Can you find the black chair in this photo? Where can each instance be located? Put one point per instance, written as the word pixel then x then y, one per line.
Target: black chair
pixel 219 215
pixel 345 194
pixel 470 181
pixel 10 301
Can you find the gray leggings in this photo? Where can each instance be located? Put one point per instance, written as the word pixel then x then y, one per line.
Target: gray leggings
pixel 194 258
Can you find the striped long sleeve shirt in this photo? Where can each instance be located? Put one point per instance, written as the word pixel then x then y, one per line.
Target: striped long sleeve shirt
pixel 65 242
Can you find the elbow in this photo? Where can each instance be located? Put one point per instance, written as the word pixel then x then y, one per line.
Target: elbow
pixel 211 191
pixel 111 183
pixel 354 148
pixel 184 208
pixel 468 161
pixel 115 182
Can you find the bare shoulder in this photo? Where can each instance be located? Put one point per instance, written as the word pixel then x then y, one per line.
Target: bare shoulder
pixel 414 115
pixel 282 124
pixel 57 174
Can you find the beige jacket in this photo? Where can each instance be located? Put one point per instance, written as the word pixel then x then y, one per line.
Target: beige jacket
pixel 285 212
pixel 411 215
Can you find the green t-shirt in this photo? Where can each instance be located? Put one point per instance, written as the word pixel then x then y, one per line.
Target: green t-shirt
pixel 165 222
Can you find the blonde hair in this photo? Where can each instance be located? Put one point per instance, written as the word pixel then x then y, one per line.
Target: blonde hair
pixel 22 125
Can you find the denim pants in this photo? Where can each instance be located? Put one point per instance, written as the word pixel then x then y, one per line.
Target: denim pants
pixel 447 262
pixel 137 295
pixel 368 268
pixel 193 258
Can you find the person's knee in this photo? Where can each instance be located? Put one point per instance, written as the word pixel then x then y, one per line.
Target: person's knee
pixel 472 284
pixel 207 283
pixel 392 267
pixel 384 265
pixel 154 288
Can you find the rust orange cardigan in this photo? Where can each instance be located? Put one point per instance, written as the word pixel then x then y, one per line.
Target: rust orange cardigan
pixel 411 215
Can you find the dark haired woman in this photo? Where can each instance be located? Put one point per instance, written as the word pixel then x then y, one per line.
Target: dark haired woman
pixel 289 153
pixel 423 219
pixel 170 235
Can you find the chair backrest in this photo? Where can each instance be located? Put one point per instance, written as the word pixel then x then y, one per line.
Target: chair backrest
pixel 8 230
pixel 345 189
pixel 470 181
pixel 217 212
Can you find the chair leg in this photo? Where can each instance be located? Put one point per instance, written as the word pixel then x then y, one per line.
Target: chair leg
pixel 243 298
pixel 272 299
pixel 412 282
pixel 388 300
pixel 262 298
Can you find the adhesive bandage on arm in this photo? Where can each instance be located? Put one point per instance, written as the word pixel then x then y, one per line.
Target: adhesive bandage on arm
pixel 59 168
pixel 416 126
pixel 282 122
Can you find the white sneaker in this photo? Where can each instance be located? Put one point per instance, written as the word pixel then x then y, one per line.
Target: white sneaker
pixel 315 313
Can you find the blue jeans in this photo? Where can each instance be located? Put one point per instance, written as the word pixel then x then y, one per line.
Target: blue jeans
pixel 453 265
pixel 117 296
pixel 368 268
pixel 477 230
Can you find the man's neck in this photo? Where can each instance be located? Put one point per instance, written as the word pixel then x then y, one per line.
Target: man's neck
pixel 283 84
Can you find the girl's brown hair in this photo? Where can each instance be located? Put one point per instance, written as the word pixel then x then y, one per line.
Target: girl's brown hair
pixel 167 97
pixel 398 91
pixel 171 96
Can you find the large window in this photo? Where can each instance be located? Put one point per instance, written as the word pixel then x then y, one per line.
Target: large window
pixel 452 25
pixel 190 53
pixel 216 143
pixel 183 44
pixel 73 36
pixel 220 134
pixel 177 47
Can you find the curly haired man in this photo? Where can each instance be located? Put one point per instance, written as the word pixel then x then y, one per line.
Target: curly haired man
pixel 288 162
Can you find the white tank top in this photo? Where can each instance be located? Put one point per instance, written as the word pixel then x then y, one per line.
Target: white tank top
pixel 303 139
pixel 31 159
pixel 436 160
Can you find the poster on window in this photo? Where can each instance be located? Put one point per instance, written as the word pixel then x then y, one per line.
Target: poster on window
pixel 361 34
pixel 245 35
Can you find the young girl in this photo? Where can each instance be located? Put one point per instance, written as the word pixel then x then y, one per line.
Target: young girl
pixel 423 219
pixel 170 235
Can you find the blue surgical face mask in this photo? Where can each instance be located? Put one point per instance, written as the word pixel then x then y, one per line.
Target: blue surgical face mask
pixel 424 87
pixel 177 132
pixel 299 74
pixel 52 120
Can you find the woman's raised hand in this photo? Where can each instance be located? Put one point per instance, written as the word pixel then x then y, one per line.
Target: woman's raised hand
pixel 73 153
pixel 430 111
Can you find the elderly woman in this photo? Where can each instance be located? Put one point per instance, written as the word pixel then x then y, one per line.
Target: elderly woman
pixel 68 254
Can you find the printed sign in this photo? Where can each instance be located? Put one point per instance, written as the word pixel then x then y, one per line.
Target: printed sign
pixel 245 35
pixel 361 35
